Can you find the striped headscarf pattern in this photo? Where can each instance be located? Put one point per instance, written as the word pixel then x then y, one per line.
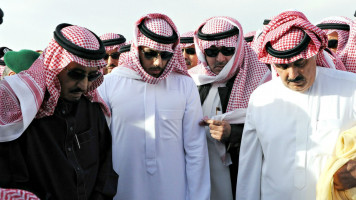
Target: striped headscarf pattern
pixel 343 40
pixel 162 25
pixel 111 36
pixel 250 72
pixel 286 31
pixel 41 78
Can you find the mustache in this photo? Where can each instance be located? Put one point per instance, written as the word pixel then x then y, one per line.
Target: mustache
pixel 296 79
pixel 111 65
pixel 187 62
pixel 155 68
pixel 76 90
pixel 220 64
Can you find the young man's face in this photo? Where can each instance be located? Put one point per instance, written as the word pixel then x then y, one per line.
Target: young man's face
pixel 299 75
pixel 218 57
pixel 75 80
pixel 112 60
pixel 153 61
pixel 190 56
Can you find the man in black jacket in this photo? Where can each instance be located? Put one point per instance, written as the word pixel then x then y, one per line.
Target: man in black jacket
pixel 54 138
pixel 228 73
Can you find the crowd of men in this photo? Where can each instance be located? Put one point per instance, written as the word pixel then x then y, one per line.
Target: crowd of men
pixel 210 114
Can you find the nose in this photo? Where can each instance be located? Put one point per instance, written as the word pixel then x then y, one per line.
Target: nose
pixel 220 57
pixel 83 84
pixel 110 61
pixel 158 62
pixel 293 72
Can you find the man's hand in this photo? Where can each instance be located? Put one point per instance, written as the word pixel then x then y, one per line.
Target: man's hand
pixel 345 177
pixel 219 130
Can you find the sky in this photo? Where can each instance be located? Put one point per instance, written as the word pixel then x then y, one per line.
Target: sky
pixel 29 24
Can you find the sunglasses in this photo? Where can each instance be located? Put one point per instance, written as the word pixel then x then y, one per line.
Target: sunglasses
pixel 332 43
pixel 190 51
pixel 78 76
pixel 115 55
pixel 226 51
pixel 165 55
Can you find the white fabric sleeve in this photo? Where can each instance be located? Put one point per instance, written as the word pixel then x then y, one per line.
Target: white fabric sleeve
pixel 195 146
pixel 250 161
pixel 103 92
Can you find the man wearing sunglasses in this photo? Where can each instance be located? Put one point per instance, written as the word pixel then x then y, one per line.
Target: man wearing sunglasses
pixel 55 141
pixel 228 73
pixel 159 149
pixel 293 121
pixel 112 43
pixel 188 49
pixel 339 32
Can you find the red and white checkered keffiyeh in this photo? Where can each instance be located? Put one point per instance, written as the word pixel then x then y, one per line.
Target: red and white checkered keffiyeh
pixel 164 26
pixel 350 50
pixel 343 38
pixel 124 56
pixel 42 78
pixel 286 31
pixel 16 194
pixel 250 72
pixel 110 36
pixel 187 34
pixel 250 34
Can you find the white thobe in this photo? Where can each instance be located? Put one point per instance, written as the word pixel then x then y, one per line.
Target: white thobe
pixel 159 149
pixel 219 169
pixel 288 135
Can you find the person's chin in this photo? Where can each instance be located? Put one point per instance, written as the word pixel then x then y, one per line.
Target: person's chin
pixel 75 96
pixel 218 69
pixel 298 87
pixel 155 73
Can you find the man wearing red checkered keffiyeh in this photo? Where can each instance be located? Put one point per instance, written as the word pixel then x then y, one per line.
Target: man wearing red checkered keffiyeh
pixel 188 49
pixel 338 32
pixel 351 49
pixel 54 138
pixel 293 121
pixel 228 73
pixel 112 43
pixel 158 146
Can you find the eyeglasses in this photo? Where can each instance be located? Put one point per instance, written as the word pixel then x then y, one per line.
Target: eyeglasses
pixel 115 55
pixel 226 51
pixel 78 76
pixel 190 51
pixel 165 55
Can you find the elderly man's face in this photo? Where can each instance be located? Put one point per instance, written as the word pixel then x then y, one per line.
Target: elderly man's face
pixel 299 75
pixel 76 79
pixel 153 61
pixel 218 57
pixel 190 56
